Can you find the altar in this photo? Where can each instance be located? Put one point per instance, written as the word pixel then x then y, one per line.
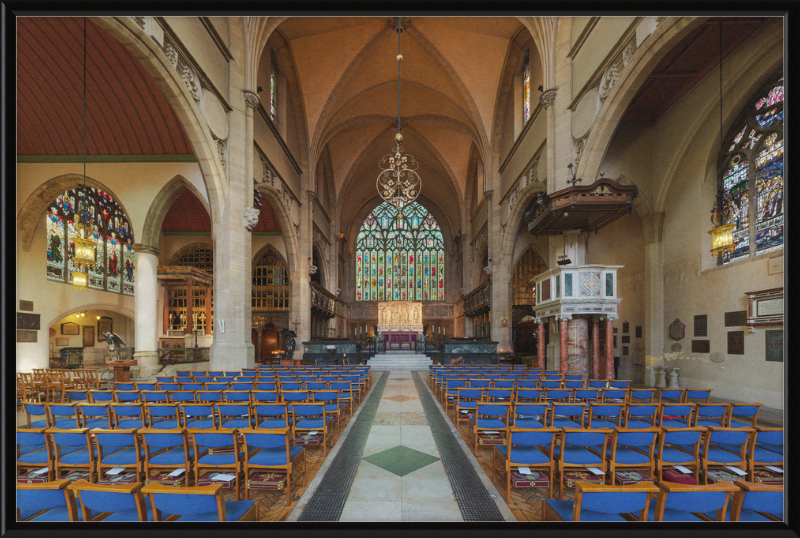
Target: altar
pixel 399 341
pixel 400 317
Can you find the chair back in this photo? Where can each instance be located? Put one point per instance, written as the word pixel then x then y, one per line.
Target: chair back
pixel 154 396
pixel 236 396
pixel 265 440
pixel 186 501
pixel 587 438
pixel 271 410
pixel 96 499
pixel 694 499
pixel 33 498
pixel 164 439
pixel 295 396
pixel 265 396
pixel 697 394
pixel 539 437
pixel 535 395
pixel 127 396
pixel 607 499
pixel 181 396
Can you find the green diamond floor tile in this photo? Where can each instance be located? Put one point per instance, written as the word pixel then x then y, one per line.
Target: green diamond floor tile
pixel 401 460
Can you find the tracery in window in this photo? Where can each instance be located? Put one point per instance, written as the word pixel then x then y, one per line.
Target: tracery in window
pixel 114 259
pixel 400 259
pixel 753 163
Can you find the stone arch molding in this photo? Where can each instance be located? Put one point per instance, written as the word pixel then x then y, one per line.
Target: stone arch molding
pixel 268 248
pixel 186 250
pixel 285 206
pixel 186 92
pixel 127 312
pixel 527 186
pixel 45 194
pixel 160 206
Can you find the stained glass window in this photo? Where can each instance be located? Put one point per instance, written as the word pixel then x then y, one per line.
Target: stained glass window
pixel 272 97
pixel 753 163
pixel 400 259
pixel 114 265
pixel 526 90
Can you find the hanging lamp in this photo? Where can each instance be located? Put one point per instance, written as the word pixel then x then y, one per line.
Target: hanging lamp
pixel 722 232
pixel 398 183
pixel 84 257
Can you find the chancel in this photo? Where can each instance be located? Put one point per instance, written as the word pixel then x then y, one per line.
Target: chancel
pixel 399 269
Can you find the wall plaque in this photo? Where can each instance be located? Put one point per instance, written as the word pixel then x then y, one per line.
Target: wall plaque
pixel 626 339
pixel 88 336
pixel 701 346
pixel 26 306
pixel 26 336
pixel 736 319
pixel 701 325
pixel 677 330
pixel 735 342
pixel 70 328
pixel 625 327
pixel 765 307
pixel 638 331
pixel 774 343
pixel 28 322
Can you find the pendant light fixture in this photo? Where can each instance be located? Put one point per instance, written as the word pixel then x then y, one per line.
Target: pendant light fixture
pixel 722 232
pixel 398 183
pixel 83 259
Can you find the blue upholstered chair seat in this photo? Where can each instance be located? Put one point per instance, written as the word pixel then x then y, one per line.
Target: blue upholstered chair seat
pixel 123 457
pixel 599 423
pixel 673 455
pixel 524 455
pixel 528 423
pixel 130 515
pixel 638 424
pixel 767 455
pixel 706 422
pixel 674 423
pixel 174 456
pixel 564 510
pixel 673 515
pixel 203 423
pixel 720 455
pixel 744 515
pixel 771 448
pixel 218 459
pixel 237 423
pixel 130 423
pixel 234 510
pixel 468 405
pixel 24 449
pixel 38 424
pixel 97 423
pixel 59 513
pixel 565 423
pixel 312 423
pixel 491 423
pixel 630 457
pixel 271 457
pixel 167 424
pixel 578 455
pixel 64 423
pixel 77 457
pixel 273 423
pixel 34 457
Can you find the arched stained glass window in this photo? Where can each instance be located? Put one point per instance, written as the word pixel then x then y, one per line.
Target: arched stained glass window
pixel 526 89
pixel 753 163
pixel 400 259
pixel 114 265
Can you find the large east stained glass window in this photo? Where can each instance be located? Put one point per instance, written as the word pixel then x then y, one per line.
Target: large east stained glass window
pixel 400 259
pixel 114 258
pixel 753 168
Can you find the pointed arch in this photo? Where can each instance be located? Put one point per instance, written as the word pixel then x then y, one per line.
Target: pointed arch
pixel 159 208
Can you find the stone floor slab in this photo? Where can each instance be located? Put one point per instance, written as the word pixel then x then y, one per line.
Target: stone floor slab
pixel 431 511
pixel 371 511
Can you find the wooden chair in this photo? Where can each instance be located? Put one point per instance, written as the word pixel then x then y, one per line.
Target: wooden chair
pixel 113 502
pixel 46 502
pixel 633 449
pixel 601 502
pixel 204 503
pixel 264 452
pixel 757 502
pixel 684 502
pixel 72 450
pixel 532 448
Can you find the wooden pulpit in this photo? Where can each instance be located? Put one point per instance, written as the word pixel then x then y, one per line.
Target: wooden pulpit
pixel 122 370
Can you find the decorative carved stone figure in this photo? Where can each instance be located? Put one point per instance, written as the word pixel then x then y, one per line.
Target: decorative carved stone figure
pixel 250 217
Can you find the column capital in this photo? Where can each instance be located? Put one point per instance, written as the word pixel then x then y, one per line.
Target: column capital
pixel 139 247
pixel 548 98
pixel 311 195
pixel 252 100
pixel 488 194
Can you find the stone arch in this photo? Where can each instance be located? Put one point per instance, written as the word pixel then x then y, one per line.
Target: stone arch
pixel 160 206
pixel 149 54
pixel 173 260
pixel 524 198
pixel 45 194
pixel 652 50
pixel 111 307
pixel 288 229
pixel 322 264
pixel 482 251
pixel 268 248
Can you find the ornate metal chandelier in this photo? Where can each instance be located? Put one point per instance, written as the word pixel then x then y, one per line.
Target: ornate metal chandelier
pixel 398 183
pixel 84 256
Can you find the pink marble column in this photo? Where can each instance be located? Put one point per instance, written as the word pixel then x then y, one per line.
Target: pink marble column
pixel 578 347
pixel 540 344
pixel 609 349
pixel 563 365
pixel 595 349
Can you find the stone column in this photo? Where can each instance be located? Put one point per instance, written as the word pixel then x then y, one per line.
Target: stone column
pixel 540 337
pixel 596 349
pixel 563 333
pixel 548 99
pixel 578 346
pixel 610 347
pixel 146 314
pixel 259 352
pixel 653 308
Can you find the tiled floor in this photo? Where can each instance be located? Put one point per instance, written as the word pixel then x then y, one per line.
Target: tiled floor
pixel 401 476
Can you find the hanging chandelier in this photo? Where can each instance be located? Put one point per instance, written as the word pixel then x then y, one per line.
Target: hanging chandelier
pixel 84 257
pixel 722 232
pixel 398 183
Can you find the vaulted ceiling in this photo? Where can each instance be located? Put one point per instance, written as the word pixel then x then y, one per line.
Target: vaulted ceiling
pixel 347 72
pixel 126 113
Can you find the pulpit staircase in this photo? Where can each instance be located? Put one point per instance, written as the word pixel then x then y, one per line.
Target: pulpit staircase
pixel 399 361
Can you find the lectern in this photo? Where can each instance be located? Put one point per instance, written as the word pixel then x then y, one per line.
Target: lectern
pixel 122 370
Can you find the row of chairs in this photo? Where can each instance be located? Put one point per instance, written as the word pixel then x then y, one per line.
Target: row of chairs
pixel 748 501
pixel 590 454
pixel 610 412
pixel 49 384
pixel 195 455
pixel 244 414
